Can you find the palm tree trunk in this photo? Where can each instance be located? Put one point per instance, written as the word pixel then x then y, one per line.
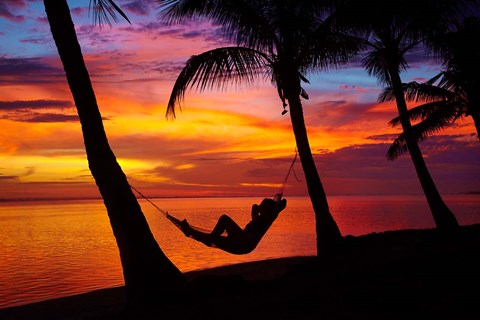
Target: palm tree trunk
pixel 147 271
pixel 444 218
pixel 476 121
pixel 327 231
pixel 473 106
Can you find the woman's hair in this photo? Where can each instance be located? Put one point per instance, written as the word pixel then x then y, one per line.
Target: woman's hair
pixel 268 204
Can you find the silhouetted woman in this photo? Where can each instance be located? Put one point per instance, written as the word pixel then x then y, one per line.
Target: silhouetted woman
pixel 238 240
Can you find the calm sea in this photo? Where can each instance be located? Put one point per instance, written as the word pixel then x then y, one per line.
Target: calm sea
pixel 59 248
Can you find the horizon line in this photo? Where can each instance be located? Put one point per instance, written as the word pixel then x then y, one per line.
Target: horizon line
pixel 29 199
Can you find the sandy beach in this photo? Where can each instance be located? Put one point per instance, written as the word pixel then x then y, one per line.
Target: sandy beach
pixel 392 275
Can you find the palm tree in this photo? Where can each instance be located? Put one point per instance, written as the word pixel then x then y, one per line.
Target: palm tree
pixel 277 39
pixel 450 95
pixel 147 271
pixel 391 31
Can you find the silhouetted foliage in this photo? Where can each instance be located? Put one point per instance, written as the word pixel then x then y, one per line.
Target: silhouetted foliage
pixel 281 40
pixel 390 30
pixel 450 95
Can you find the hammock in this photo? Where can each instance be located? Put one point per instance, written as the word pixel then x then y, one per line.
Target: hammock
pixel 178 223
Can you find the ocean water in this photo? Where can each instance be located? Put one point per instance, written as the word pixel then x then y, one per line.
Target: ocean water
pixel 59 248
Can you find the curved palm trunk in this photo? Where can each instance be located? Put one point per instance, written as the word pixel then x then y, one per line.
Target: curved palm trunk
pixel 327 231
pixel 444 218
pixel 147 271
pixel 474 109
pixel 473 106
pixel 476 121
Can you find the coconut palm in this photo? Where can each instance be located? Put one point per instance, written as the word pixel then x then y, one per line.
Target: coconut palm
pixel 450 95
pixel 281 40
pixel 391 31
pixel 147 271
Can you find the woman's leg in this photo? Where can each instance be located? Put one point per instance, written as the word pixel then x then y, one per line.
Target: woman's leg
pixel 203 237
pixel 235 242
pixel 225 223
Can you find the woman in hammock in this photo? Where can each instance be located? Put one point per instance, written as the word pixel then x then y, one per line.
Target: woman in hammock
pixel 238 240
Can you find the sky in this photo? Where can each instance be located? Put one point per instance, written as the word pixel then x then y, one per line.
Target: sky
pixel 222 143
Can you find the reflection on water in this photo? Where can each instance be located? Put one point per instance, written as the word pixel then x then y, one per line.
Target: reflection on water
pixel 67 247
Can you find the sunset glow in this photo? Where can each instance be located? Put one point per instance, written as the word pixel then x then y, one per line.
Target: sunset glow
pixel 233 142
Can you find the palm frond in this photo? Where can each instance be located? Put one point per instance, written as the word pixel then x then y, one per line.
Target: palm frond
pixel 103 10
pixel 397 148
pixel 415 91
pixel 436 121
pixel 245 22
pixel 381 59
pixel 425 92
pixel 217 69
pixel 329 49
pixel 444 110
pixel 456 81
pixel 177 11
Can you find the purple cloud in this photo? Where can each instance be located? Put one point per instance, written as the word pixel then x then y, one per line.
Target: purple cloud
pixel 22 111
pixel 26 116
pixel 36 40
pixel 384 138
pixel 35 104
pixel 27 70
pixel 188 30
pixel 6 7
pixel 79 11
pixel 451 160
pixel 50 117
pixel 139 7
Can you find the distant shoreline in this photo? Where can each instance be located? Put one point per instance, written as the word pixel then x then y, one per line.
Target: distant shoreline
pixel 4 200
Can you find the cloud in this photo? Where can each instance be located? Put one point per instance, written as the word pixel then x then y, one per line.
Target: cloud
pixel 41 117
pixel 35 104
pixel 451 160
pixel 270 171
pixel 158 70
pixel 337 113
pixel 36 40
pixel 232 175
pixel 353 88
pixel 7 177
pixel 385 138
pixel 27 70
pixel 6 7
pixel 139 7
pixel 22 111
pixel 79 11
pixel 29 171
pixel 189 30
pixel 359 169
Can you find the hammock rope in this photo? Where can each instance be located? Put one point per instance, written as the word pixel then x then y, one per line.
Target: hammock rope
pixel 178 223
pixel 290 169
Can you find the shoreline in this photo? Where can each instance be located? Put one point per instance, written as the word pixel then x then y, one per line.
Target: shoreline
pixel 390 275
pixel 113 299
